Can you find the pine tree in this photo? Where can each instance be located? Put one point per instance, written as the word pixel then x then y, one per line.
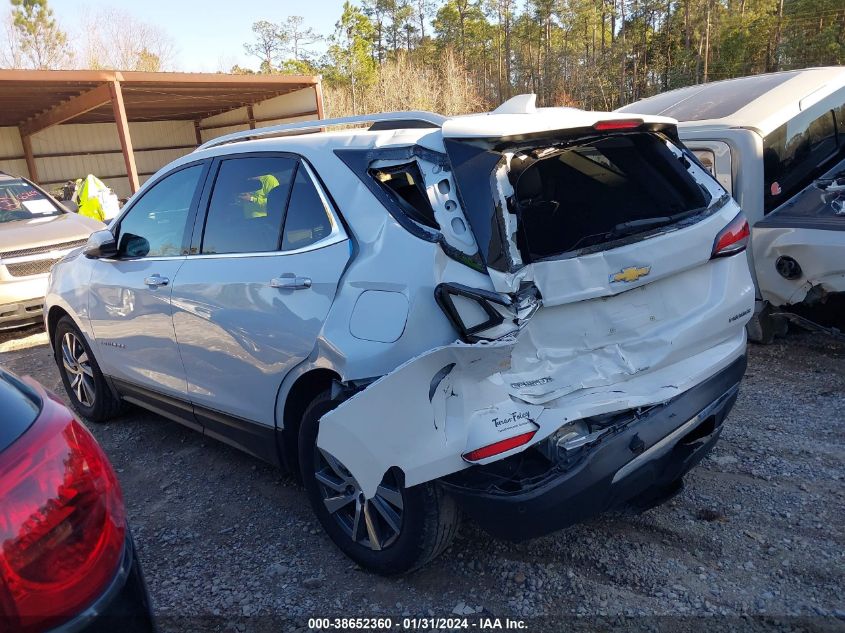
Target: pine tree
pixel 43 45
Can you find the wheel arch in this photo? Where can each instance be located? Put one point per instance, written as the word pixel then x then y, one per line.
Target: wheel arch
pixel 53 317
pixel 304 389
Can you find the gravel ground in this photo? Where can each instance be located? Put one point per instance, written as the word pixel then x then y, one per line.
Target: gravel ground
pixel 757 535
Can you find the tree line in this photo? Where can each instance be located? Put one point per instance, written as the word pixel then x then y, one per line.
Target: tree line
pixel 463 55
pixel 458 56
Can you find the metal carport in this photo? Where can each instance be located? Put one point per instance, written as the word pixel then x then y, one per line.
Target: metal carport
pixel 123 126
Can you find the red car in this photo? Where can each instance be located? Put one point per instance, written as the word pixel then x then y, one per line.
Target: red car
pixel 67 560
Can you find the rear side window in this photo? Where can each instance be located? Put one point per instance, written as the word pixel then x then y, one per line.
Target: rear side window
pixel 795 154
pixel 406 187
pixel 308 218
pixel 247 207
pixel 839 115
pixel 598 191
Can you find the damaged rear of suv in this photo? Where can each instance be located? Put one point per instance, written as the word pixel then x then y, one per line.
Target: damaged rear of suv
pixel 598 363
pixel 528 316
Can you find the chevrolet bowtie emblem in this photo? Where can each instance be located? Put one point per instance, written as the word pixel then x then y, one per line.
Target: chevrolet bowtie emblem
pixel 632 273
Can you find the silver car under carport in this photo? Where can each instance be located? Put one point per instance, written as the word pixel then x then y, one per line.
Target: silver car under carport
pixel 35 232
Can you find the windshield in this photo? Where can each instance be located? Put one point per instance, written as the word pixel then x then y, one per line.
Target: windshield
pixel 21 201
pixel 709 101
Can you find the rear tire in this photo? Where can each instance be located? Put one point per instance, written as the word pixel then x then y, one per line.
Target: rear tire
pixel 427 519
pixel 86 387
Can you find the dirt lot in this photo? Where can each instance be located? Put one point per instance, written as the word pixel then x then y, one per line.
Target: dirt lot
pixel 758 531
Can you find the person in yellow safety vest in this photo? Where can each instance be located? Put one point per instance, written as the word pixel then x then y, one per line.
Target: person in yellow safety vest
pixel 255 203
pixel 87 198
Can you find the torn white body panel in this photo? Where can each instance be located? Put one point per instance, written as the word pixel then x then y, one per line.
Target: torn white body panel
pixel 570 361
pixel 820 253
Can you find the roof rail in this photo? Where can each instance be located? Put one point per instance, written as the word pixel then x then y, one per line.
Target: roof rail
pixel 411 119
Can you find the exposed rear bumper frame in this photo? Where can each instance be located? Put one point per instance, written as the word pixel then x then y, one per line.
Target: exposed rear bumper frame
pixel 648 455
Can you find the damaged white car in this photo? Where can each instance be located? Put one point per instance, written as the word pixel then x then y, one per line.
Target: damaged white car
pixel 776 142
pixel 530 316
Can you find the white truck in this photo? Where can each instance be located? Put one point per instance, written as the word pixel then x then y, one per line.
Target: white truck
pixel 777 143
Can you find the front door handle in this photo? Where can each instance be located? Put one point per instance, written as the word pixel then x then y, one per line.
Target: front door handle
pixel 290 283
pixel 156 280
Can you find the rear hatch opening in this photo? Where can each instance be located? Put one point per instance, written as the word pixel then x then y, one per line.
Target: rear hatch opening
pixel 597 191
pixel 562 196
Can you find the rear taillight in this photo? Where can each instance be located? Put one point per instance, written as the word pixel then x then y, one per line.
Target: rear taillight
pixel 62 522
pixel 733 238
pixel 498 448
pixel 619 124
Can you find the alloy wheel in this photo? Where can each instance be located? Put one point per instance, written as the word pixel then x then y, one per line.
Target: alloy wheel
pixel 77 366
pixel 373 523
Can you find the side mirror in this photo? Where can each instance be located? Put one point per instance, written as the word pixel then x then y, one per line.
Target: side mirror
pixel 100 244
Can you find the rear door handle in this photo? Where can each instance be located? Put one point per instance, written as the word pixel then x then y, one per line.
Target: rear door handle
pixel 156 280
pixel 290 283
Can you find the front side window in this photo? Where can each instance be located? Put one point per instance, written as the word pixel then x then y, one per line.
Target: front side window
pixel 308 218
pixel 247 207
pixel 155 225
pixel 21 201
pixel 795 154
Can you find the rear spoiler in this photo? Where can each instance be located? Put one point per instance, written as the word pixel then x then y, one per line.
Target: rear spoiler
pixel 499 143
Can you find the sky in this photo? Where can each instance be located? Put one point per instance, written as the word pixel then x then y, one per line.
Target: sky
pixel 209 35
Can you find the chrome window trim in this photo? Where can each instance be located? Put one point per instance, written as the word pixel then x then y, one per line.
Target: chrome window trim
pixel 155 258
pixel 334 238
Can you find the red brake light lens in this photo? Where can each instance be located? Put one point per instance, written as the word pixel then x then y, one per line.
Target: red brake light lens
pixel 733 238
pixel 621 124
pixel 499 447
pixel 62 522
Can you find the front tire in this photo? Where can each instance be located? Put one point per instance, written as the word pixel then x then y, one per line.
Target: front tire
pixel 86 387
pixel 399 530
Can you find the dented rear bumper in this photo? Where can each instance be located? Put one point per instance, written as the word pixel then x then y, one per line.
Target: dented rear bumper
pixel 461 404
pixel 648 455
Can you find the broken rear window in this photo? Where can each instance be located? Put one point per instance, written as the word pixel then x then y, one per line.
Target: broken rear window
pixel 405 185
pixel 603 189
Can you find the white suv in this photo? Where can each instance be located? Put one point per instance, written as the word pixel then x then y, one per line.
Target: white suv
pixel 531 315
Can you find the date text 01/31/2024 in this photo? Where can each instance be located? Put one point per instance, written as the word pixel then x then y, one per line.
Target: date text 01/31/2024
pixel 417 624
